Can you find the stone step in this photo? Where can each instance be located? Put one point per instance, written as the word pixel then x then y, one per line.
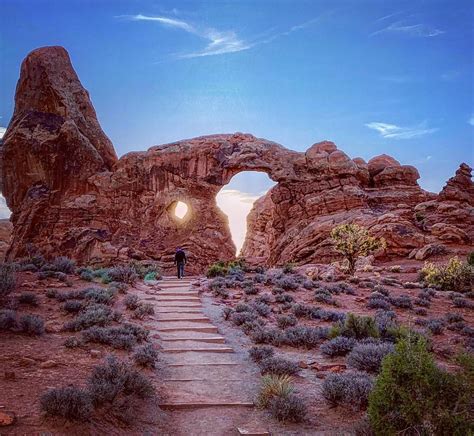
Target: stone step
pixel 202 405
pixel 200 349
pixel 214 339
pixel 178 298
pixel 193 345
pixel 171 317
pixel 177 293
pixel 208 372
pixel 203 328
pixel 200 358
pixel 160 310
pixel 179 304
pixel 189 335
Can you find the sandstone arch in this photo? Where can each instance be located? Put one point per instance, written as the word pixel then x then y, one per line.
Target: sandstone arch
pixel 70 195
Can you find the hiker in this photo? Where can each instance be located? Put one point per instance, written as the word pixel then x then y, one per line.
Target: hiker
pixel 180 261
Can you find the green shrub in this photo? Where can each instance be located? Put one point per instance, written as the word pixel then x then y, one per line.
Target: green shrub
pixel 358 327
pixel 7 279
pixel 411 392
pixel 470 258
pixel 123 274
pixel 455 276
pixel 354 241
pixel 274 386
pixel 218 269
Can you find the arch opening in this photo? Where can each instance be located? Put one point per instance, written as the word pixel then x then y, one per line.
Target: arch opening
pixel 237 198
pixel 181 209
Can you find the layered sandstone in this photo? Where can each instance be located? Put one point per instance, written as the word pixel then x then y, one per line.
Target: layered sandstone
pixel 70 195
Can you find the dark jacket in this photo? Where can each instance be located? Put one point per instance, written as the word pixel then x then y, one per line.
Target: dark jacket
pixel 180 257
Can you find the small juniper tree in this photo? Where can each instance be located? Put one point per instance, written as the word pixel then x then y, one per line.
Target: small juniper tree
pixel 354 241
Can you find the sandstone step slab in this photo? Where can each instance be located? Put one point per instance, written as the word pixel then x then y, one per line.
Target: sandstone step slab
pixel 177 293
pixel 200 358
pixel 207 372
pixel 209 349
pixel 189 335
pixel 215 392
pixel 192 344
pixel 171 317
pixel 179 309
pixel 178 298
pixel 197 328
pixel 178 304
pixel 202 405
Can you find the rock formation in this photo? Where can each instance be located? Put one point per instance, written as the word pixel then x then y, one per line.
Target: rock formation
pixel 70 195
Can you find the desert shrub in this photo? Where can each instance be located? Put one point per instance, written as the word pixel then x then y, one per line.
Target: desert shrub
pixel 353 241
pixel 264 298
pixel 327 315
pixel 238 318
pixel 262 335
pixel 288 283
pixel 28 298
pixel 308 284
pixel 358 327
pixel 402 302
pixel 250 289
pixel 324 296
pixel 348 389
pixel 368 357
pixel 26 267
pixel 421 311
pixel 143 310
pixel 243 307
pixel 302 310
pixel 32 325
pixel 86 276
pixel 338 346
pixel 411 392
pixel 262 309
pixel 122 337
pixel 51 293
pixel 71 295
pixel 73 306
pixel 378 301
pixel 152 275
pixel 285 321
pixel 146 356
pixel 221 292
pixel 217 269
pixel 278 366
pixel 308 337
pixel 455 276
pixel 93 315
pixel 99 295
pixel 423 302
pixel 259 278
pixel 7 319
pixel 461 302
pixel 454 317
pixel 123 274
pixel 7 279
pixel 227 312
pixel 117 287
pixel 70 402
pixel 288 408
pixel 115 378
pixel 435 326
pixel 249 326
pixel 288 268
pixel 64 264
pixel 73 342
pixel 274 386
pixel 131 302
pixel 258 354
pixel 284 298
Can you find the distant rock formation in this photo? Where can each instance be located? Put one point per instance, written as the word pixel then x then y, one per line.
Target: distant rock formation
pixel 70 195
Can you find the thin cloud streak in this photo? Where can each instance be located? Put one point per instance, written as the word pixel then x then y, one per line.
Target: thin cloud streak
pixel 219 42
pixel 392 131
pixel 415 30
pixel 2 131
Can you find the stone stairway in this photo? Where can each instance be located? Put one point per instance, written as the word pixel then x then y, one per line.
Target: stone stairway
pixel 205 388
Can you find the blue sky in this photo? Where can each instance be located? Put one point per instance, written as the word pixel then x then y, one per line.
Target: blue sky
pixel 375 77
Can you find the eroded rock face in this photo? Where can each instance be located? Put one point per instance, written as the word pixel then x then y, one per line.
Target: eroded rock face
pixel 70 195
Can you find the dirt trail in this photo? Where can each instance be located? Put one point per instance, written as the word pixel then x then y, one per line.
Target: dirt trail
pixel 207 386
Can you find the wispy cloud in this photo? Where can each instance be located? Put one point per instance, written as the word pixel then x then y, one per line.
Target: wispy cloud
pixel 415 30
pixel 397 79
pixel 218 42
pixel 471 120
pixel 392 131
pixel 2 131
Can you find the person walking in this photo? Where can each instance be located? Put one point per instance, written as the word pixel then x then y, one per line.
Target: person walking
pixel 180 261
